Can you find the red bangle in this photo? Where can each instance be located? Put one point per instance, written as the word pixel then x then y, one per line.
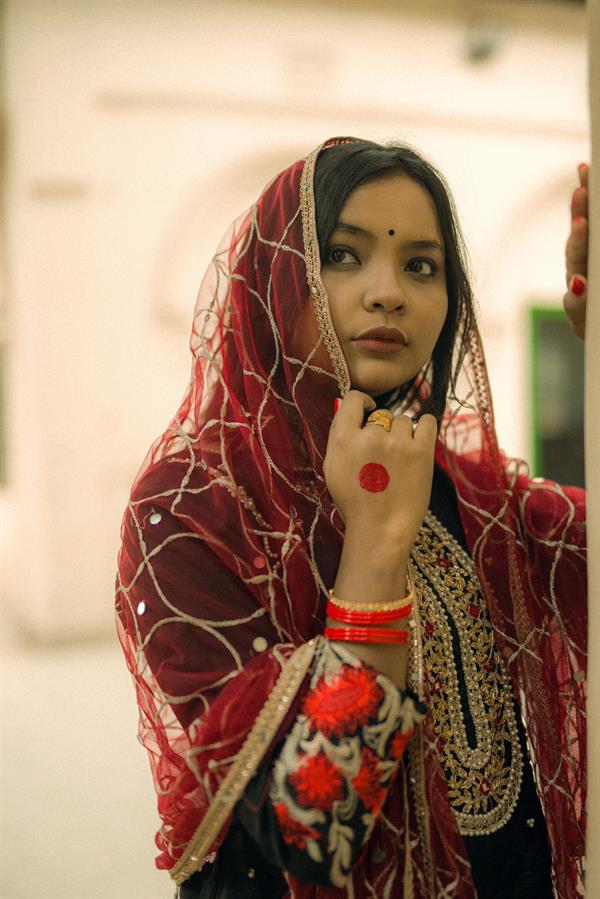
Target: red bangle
pixel 352 617
pixel 366 635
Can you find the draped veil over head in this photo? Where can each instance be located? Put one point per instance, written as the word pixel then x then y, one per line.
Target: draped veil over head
pixel 230 541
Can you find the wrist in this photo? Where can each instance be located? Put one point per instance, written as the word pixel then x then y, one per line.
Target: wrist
pixel 372 570
pixel 390 660
pixel 380 543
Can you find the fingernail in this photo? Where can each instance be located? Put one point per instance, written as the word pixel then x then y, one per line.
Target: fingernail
pixel 582 165
pixel 577 286
pixel 336 405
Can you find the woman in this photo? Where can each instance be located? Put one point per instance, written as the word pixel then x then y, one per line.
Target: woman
pixel 311 748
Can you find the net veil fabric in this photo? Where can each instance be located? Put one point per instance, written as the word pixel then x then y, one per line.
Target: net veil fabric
pixel 230 541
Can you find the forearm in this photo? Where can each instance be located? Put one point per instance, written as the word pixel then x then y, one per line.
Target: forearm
pixel 373 568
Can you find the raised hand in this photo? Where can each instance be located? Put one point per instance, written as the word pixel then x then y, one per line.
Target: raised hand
pixel 380 481
pixel 576 255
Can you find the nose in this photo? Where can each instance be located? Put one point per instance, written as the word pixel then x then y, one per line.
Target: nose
pixel 385 292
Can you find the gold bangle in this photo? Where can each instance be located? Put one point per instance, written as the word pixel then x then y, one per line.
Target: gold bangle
pixel 392 605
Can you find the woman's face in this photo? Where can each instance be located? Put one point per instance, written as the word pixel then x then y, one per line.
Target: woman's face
pixel 383 268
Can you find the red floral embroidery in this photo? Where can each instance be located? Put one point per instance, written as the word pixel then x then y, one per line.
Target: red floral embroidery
pixel 318 782
pixel 399 742
pixel 341 706
pixel 292 831
pixel 367 782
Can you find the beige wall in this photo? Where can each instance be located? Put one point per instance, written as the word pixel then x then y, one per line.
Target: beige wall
pixel 139 129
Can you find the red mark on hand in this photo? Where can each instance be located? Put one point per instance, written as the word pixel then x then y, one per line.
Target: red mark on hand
pixel 373 477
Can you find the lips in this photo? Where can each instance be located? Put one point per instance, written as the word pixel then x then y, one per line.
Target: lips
pixel 387 335
pixel 381 340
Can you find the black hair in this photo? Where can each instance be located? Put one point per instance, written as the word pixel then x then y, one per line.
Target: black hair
pixel 340 169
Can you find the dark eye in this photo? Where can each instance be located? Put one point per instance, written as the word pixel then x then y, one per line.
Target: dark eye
pixel 340 256
pixel 426 267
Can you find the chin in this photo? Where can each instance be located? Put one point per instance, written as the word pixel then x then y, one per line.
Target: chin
pixel 377 383
pixel 372 389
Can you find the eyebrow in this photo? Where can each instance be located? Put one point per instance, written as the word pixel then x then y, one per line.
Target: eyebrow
pixel 410 244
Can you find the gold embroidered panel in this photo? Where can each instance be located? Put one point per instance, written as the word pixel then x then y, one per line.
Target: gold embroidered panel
pixel 469 692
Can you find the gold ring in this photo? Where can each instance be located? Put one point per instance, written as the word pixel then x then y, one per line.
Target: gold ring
pixel 381 417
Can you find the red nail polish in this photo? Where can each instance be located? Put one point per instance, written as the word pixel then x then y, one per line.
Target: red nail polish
pixel 577 286
pixel 578 218
pixel 336 405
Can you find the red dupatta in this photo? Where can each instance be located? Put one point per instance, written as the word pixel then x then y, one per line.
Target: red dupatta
pixel 230 540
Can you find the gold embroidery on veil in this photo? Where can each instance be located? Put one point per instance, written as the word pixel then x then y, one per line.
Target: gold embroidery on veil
pixel 313 269
pixel 247 761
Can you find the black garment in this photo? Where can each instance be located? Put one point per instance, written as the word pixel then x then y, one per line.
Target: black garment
pixel 512 863
pixel 239 872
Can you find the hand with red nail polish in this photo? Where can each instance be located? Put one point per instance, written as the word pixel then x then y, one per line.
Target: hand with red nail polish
pixel 576 255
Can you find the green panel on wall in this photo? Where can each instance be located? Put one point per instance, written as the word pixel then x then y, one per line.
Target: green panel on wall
pixel 556 396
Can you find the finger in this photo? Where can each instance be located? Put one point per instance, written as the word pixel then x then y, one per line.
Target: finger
pixel 584 173
pixel 574 303
pixel 352 409
pixel 579 202
pixel 576 250
pixel 403 424
pixel 425 433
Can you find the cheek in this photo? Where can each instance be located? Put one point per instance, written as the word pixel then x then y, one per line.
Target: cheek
pixel 444 315
pixel 439 315
pixel 339 302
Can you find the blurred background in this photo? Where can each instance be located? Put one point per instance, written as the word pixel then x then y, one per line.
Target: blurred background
pixel 132 133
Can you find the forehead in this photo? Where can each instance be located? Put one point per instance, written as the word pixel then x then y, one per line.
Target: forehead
pixel 395 201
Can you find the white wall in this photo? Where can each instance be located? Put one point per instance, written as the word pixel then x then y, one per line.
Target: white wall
pixel 137 130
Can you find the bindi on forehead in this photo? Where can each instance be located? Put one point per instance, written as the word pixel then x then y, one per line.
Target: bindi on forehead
pixel 391 232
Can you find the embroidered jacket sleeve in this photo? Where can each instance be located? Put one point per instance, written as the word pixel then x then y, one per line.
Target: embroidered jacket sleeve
pixel 313 805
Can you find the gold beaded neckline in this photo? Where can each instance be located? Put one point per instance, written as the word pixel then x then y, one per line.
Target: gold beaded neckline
pixel 469 691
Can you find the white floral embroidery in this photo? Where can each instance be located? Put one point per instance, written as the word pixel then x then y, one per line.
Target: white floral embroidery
pixel 338 761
